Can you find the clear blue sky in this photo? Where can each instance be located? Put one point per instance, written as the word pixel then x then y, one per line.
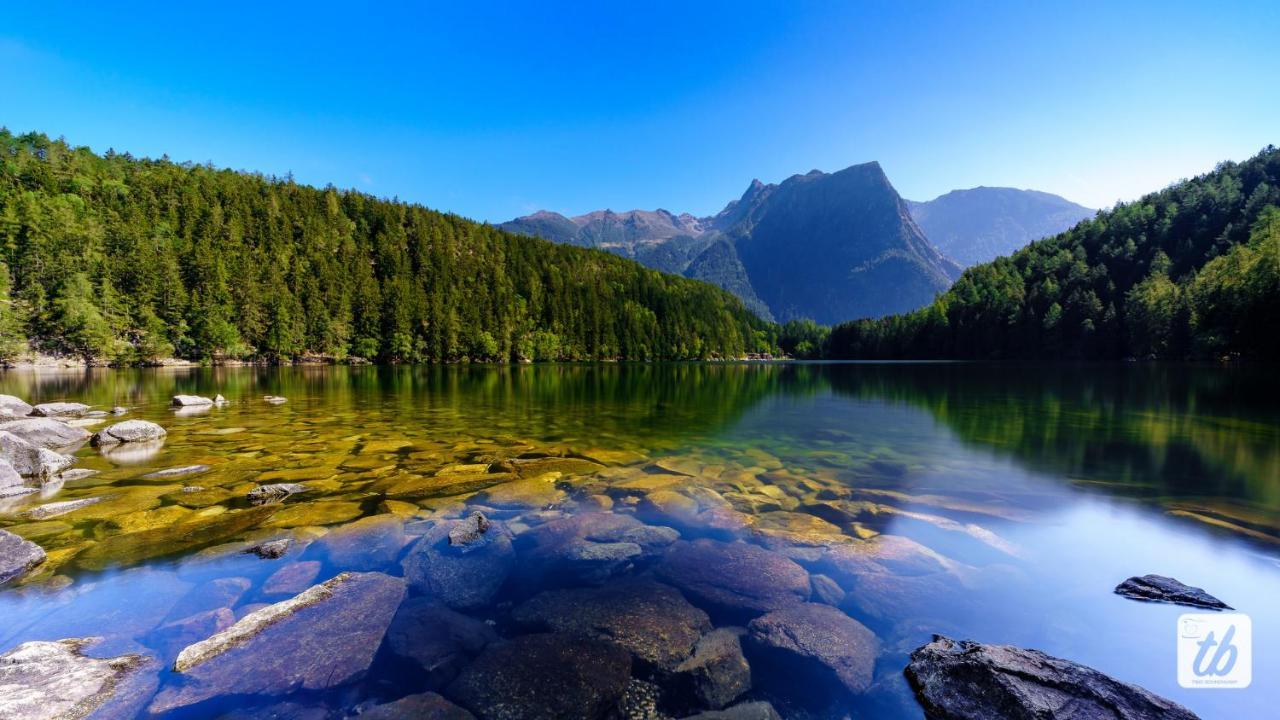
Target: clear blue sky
pixel 495 109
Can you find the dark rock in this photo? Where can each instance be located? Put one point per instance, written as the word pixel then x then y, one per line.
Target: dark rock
pixel 717 673
pixel 370 543
pixel 1158 588
pixel 273 550
pixel 735 576
pixel 128 431
pixel 17 556
pixel 322 638
pixel 825 590
pixel 463 576
pixel 470 530
pixel 438 639
pixel 44 680
pixel 744 711
pixel 965 680
pixel 292 578
pixel 821 634
pixel 45 432
pixel 651 620
pixel 275 492
pixel 427 706
pixel 544 677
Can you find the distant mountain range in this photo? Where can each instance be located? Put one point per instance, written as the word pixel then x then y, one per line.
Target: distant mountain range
pixel 823 246
pixel 980 224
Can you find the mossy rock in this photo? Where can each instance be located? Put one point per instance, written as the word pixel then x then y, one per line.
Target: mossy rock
pixel 316 513
pixel 135 547
pixel 611 457
pixel 563 465
pixel 318 472
pixel 419 487
pixel 143 520
pixel 36 531
pixel 122 501
pixel 199 498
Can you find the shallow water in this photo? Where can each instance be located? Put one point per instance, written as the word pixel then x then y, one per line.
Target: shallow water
pixel 1040 488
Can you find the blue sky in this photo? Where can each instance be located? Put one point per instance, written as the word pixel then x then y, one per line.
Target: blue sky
pixel 496 109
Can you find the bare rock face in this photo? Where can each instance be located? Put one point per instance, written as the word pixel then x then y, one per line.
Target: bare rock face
pixel 322 638
pixel 1158 588
pixel 823 635
pixel 737 576
pixel 965 680
pixel 54 681
pixel 17 557
pixel 128 431
pixel 45 432
pixel 544 677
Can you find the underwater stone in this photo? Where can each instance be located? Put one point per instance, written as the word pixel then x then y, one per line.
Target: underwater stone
pixel 273 550
pixel 734 576
pixel 369 543
pixel 292 578
pixel 544 677
pixel 745 711
pixel 821 634
pixel 427 706
pixel 465 576
pixel 965 680
pixel 716 673
pixel 1158 588
pixel 130 548
pixel 274 492
pixel 439 640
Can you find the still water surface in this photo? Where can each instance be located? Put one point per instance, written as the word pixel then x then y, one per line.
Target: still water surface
pixel 1040 488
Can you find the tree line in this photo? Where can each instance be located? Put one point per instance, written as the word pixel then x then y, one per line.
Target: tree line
pixel 128 260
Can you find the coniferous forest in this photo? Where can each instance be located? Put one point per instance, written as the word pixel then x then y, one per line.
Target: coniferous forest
pixel 117 259
pixel 1192 271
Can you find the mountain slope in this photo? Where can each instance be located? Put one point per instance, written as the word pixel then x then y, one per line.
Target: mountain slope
pixel 983 223
pixel 1190 271
pixel 114 258
pixel 835 246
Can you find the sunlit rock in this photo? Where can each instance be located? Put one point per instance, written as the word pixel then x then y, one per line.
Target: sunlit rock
pixel 128 431
pixel 44 680
pixel 17 556
pixel 29 459
pixel 60 409
pixel 190 401
pixel 12 406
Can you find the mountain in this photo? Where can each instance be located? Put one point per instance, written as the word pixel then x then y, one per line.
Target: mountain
pixel 983 223
pixel 823 246
pixel 113 258
pixel 1192 271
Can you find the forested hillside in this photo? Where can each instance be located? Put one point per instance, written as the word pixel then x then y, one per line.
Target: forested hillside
pixel 129 260
pixel 1192 271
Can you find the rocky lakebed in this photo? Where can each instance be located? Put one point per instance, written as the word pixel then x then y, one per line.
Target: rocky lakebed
pixel 170 562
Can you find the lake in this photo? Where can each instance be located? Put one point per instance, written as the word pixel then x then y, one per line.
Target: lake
pixel 1001 504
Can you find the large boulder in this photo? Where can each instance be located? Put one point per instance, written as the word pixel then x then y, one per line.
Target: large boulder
pixel 17 556
pixel 460 564
pixel 427 706
pixel 738 577
pixel 44 680
pixel 180 401
pixel 128 431
pixel 965 680
pixel 439 640
pixel 31 460
pixel 544 677
pixel 45 432
pixel 1158 588
pixel 11 406
pixel 371 543
pixel 135 547
pixel 717 672
pixel 9 478
pixel 60 409
pixel 324 637
pixel 651 620
pixel 820 634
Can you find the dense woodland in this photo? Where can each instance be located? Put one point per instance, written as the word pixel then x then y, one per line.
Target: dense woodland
pixel 126 260
pixel 1192 271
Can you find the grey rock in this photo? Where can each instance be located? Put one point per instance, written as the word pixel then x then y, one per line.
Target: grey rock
pixel 71 475
pixel 9 476
pixel 370 543
pixel 275 399
pixel 470 530
pixel 274 492
pixel 117 410
pixel 717 672
pixel 54 509
pixel 13 406
pixel 651 620
pixel 31 460
pixel 735 576
pixel 427 706
pixel 965 680
pixel 322 638
pixel 45 680
pixel 60 409
pixel 439 640
pixel 273 550
pixel 544 677
pixel 744 711
pixel 219 400
pixel 1158 588
pixel 17 556
pixel 821 634
pixel 173 636
pixel 128 431
pixel 189 401
pixel 292 578
pixel 463 576
pixel 45 432
pixel 176 472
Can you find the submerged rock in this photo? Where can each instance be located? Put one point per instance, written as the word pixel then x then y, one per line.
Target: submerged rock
pixel 1158 588
pixel 176 472
pixel 651 620
pixel 275 492
pixel 55 681
pixel 54 509
pixel 965 680
pixel 60 409
pixel 745 711
pixel 273 550
pixel 427 706
pixel 466 575
pixel 45 432
pixel 717 672
pixel 29 459
pixel 190 401
pixel 322 638
pixel 735 576
pixel 439 640
pixel 17 557
pixel 130 548
pixel 544 677
pixel 292 578
pixel 821 634
pixel 370 543
pixel 128 431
